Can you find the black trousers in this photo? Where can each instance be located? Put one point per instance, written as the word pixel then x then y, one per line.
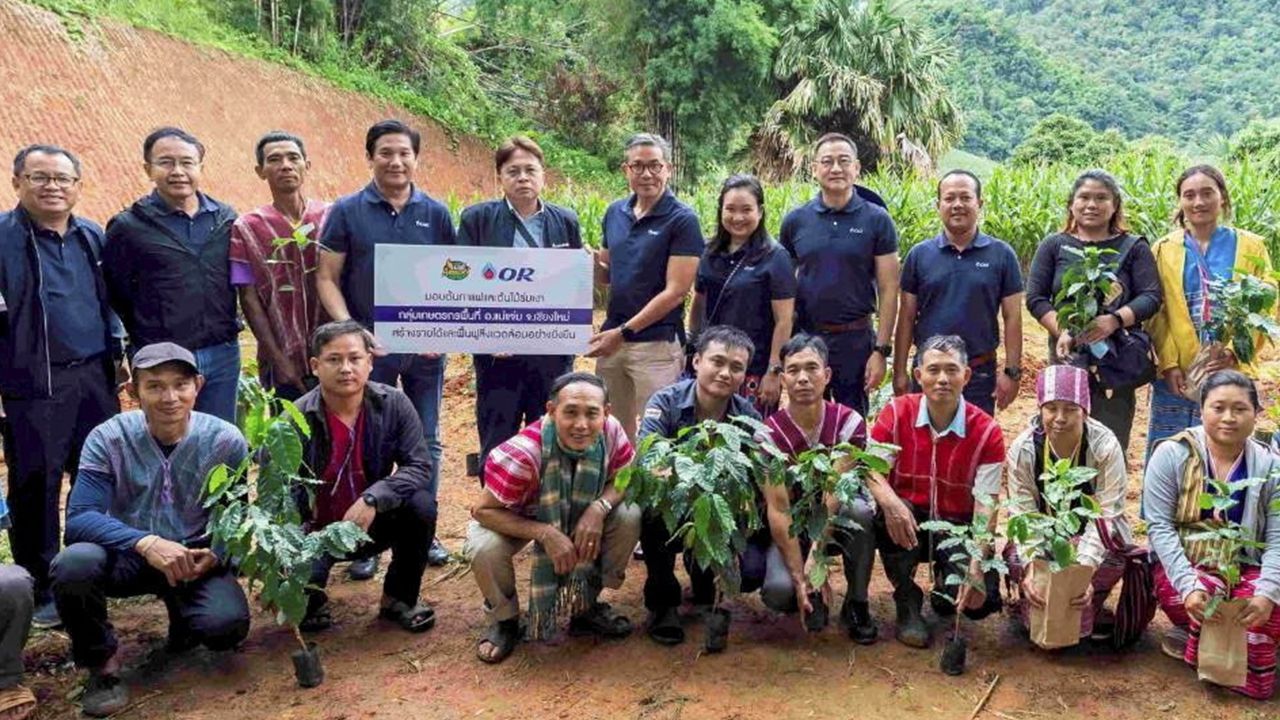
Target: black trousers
pixel 512 392
pixel 211 611
pixel 900 567
pixel 47 435
pixel 407 530
pixel 661 588
pixel 849 352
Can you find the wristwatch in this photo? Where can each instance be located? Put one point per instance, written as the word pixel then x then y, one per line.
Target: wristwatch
pixel 370 500
pixel 1116 315
pixel 627 333
pixel 885 350
pixel 775 369
pixel 1013 373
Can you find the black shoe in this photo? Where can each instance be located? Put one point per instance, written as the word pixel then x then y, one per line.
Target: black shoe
pixel 104 696
pixel 46 617
pixel 363 569
pixel 856 617
pixel 911 629
pixel 438 555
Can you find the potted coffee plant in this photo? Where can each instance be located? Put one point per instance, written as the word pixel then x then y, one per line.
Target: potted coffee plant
pixel 703 484
pixel 974 540
pixel 1046 539
pixel 255 517
pixel 1223 656
pixel 840 472
pixel 1087 286
pixel 1242 317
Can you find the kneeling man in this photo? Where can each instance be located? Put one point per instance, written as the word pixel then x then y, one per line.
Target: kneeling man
pixel 136 525
pixel 552 483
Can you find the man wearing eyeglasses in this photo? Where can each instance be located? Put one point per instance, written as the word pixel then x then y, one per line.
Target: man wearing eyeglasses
pixel 168 269
pixel 846 254
pixel 648 258
pixel 60 350
pixel 512 392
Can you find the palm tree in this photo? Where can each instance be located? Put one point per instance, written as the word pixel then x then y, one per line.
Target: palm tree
pixel 865 68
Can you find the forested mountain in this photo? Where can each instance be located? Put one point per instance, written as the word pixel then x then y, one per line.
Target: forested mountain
pixel 1187 69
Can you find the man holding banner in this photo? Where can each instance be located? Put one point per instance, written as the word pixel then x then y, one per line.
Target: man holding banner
pixel 512 390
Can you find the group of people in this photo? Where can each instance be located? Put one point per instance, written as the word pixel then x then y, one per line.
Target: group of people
pixel 153 304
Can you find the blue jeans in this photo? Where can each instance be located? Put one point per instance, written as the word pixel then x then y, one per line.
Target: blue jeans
pixel 422 379
pixel 220 366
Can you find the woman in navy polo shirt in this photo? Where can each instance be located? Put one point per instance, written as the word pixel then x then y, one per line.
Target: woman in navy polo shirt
pixel 746 280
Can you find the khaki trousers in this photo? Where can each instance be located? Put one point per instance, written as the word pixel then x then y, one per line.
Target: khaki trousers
pixel 635 373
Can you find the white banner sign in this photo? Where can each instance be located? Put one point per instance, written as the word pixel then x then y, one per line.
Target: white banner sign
pixel 442 298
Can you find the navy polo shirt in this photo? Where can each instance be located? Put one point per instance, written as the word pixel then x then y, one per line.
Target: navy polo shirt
pixel 76 329
pixel 675 407
pixel 361 220
pixel 745 302
pixel 959 292
pixel 638 253
pixel 835 252
pixel 192 231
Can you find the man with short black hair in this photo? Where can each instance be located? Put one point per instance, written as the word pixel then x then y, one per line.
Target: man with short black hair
pixel 168 270
pixel 60 352
pixel 960 283
pixel 720 367
pixel 846 254
pixel 280 301
pixel 511 391
pixel 649 259
pixel 948 467
pixel 137 525
pixel 390 210
pixel 552 483
pixel 367 450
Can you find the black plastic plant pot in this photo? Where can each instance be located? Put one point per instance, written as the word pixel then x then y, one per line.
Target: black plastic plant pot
pixel 307 667
pixel 817 620
pixel 953 656
pixel 717 630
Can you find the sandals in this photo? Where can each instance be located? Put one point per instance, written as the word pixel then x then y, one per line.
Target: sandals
pixel 664 627
pixel 416 619
pixel 600 621
pixel 502 636
pixel 16 703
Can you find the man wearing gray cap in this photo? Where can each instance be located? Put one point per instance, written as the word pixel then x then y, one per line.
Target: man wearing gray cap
pixel 136 525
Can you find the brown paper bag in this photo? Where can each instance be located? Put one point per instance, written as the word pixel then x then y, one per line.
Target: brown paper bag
pixel 1197 374
pixel 1224 650
pixel 1057 624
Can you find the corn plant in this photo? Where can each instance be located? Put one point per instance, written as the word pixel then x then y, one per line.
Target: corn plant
pixel 1050 533
pixel 1227 540
pixel 840 472
pixel 254 511
pixel 703 484
pixel 1242 308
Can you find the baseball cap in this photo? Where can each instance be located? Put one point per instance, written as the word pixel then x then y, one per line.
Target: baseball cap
pixel 161 353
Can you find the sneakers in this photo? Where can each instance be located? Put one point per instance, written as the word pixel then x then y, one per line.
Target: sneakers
pixel 104 695
pixel 856 617
pixel 438 555
pixel 911 630
pixel 364 569
pixel 1174 643
pixel 46 617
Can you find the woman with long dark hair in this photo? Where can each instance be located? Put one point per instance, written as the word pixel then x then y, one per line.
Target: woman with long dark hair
pixel 747 281
pixel 1095 218
pixel 1201 251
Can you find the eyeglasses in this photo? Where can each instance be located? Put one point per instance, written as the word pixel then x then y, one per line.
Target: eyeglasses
pixel 844 161
pixel 171 163
pixel 59 181
pixel 640 168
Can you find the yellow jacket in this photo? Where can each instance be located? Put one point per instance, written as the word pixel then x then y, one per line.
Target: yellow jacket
pixel 1171 330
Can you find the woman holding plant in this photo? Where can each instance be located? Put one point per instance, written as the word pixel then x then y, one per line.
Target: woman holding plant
pixel 1089 283
pixel 1063 430
pixel 1188 331
pixel 747 281
pixel 1222 545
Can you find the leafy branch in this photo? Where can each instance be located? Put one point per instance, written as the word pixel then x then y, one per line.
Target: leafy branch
pixel 1051 534
pixel 1242 309
pixel 973 540
pixel 1086 287
pixel 1228 542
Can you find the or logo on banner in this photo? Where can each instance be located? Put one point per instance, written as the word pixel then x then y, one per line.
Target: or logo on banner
pixel 509 274
pixel 455 270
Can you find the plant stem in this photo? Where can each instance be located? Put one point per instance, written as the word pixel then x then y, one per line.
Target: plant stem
pixel 298 634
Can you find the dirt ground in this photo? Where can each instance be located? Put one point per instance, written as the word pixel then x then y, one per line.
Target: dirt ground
pixel 772 669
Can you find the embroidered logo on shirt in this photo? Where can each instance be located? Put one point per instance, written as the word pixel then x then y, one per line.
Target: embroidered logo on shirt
pixel 653 412
pixel 982 264
pixel 855 230
pixel 419 223
pixel 654 232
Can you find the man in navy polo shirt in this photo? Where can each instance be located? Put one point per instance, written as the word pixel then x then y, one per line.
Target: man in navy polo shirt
pixel 649 258
pixel 958 283
pixel 846 253
pixel 389 210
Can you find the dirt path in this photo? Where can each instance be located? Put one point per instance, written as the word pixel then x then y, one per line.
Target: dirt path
pixel 771 670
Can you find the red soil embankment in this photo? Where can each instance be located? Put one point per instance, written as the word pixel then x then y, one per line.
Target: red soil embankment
pixel 100 95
